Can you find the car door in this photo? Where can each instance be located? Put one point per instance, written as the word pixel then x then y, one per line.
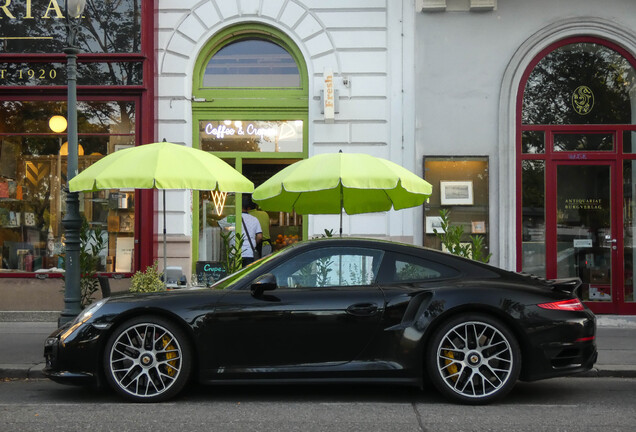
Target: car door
pixel 326 309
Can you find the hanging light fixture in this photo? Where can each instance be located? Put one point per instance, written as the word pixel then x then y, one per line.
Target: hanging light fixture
pixel 64 149
pixel 58 123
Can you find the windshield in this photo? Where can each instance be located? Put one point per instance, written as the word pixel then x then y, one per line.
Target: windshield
pixel 229 280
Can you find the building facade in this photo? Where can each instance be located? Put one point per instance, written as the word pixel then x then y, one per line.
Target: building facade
pixel 544 94
pixel 521 115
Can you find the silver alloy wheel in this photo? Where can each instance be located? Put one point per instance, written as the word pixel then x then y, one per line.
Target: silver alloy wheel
pixel 145 360
pixel 474 359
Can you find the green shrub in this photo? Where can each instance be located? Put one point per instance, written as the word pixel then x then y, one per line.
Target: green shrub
pixel 451 238
pixel 148 281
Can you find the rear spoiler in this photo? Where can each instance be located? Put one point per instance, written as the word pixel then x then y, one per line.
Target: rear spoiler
pixel 568 285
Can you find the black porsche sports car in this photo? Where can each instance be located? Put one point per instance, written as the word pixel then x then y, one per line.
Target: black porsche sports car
pixel 335 310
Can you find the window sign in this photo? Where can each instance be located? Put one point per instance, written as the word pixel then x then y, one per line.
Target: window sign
pixel 93 73
pixel 251 136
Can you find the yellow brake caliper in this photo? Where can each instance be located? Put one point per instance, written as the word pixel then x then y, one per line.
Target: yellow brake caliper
pixel 172 354
pixel 452 369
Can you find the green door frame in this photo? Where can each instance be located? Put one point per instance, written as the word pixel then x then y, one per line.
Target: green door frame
pixel 240 103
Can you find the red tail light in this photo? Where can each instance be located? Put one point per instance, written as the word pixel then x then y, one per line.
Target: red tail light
pixel 564 305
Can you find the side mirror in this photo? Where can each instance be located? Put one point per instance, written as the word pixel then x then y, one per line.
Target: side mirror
pixel 266 282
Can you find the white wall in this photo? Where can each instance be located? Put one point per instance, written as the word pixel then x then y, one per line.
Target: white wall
pixel 468 68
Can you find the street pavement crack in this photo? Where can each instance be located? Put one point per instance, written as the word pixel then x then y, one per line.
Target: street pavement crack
pixel 418 417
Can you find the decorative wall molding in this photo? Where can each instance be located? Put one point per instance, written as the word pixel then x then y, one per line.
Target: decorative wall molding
pixel 455 5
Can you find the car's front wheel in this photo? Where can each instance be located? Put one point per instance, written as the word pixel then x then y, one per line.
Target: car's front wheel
pixel 147 359
pixel 473 359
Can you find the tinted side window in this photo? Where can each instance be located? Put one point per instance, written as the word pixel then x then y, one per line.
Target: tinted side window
pixel 329 267
pixel 406 268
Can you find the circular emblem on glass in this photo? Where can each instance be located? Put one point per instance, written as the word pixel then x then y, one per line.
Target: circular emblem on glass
pixel 583 100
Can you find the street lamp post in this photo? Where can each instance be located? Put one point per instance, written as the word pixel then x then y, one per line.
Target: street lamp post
pixel 72 220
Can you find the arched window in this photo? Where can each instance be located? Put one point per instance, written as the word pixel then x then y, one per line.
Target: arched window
pixel 580 83
pixel 252 62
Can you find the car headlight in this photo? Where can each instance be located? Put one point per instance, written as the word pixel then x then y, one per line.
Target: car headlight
pixel 89 311
pixel 84 316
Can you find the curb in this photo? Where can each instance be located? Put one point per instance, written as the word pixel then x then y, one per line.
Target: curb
pixel 29 316
pixel 609 371
pixel 22 371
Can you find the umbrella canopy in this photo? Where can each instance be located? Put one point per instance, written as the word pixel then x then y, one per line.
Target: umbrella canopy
pixel 164 166
pixel 161 165
pixel 333 182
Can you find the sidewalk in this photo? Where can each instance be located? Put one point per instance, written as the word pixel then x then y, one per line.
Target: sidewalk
pixel 22 336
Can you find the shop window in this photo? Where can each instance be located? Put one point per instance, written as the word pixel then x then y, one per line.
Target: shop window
pixel 33 166
pixel 533 214
pixel 583 142
pixel 629 142
pixel 533 142
pixel 460 185
pixel 39 27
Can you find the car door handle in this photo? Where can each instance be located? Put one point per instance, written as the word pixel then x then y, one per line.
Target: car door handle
pixel 362 309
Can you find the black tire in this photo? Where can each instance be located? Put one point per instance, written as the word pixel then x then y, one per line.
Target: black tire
pixel 473 359
pixel 147 359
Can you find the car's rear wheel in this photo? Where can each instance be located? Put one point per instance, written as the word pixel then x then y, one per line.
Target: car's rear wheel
pixel 473 359
pixel 147 359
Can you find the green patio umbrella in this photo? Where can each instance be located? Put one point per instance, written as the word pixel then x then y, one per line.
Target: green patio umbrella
pixel 333 182
pixel 164 166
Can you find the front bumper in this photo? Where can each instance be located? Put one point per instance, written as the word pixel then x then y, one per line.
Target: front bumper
pixel 75 360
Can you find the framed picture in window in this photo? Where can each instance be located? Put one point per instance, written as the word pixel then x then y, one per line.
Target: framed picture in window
pixel 456 192
pixel 434 223
pixel 478 227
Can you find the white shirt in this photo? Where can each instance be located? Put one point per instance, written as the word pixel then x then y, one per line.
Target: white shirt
pixel 253 227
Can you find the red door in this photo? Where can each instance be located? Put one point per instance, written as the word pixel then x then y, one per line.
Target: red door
pixel 582 232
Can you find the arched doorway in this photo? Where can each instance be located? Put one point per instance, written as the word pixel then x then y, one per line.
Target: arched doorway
pixel 250 108
pixel 576 170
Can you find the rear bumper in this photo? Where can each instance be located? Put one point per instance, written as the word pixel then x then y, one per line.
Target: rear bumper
pixel 566 349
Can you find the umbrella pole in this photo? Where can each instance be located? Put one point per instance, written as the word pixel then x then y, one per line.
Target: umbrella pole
pixel 341 208
pixel 165 259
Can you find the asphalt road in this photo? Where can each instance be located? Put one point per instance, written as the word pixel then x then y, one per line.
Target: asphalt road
pixel 564 404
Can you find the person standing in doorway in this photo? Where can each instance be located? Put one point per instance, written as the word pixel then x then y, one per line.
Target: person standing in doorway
pixel 252 232
pixel 265 247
